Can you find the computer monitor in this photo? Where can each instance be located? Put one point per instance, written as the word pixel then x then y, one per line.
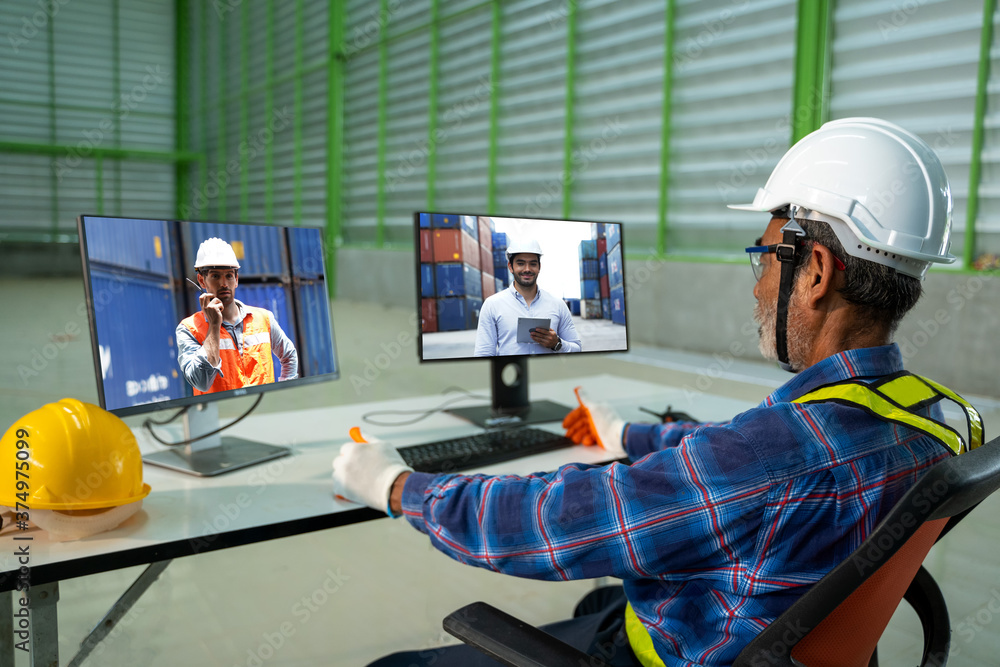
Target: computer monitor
pixel 472 305
pixel 147 327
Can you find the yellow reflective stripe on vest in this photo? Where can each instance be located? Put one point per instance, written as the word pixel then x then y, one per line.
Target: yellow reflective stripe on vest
pixel 866 397
pixel 971 414
pixel 639 640
pixel 907 390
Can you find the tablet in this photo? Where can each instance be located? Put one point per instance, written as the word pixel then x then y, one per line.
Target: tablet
pixel 526 324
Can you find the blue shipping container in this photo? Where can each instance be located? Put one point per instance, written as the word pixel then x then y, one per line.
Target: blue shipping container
pixel 274 297
pixel 499 257
pixel 470 224
pixel 427 290
pixel 618 305
pixel 615 266
pixel 606 308
pixel 143 245
pixel 136 369
pixel 613 232
pixel 588 269
pixel 260 249
pixel 597 231
pixel 574 306
pixel 425 220
pixel 458 280
pixel 590 289
pixel 499 241
pixel 588 249
pixel 445 221
pixel 316 350
pixel 457 314
pixel 306 247
pixel 602 266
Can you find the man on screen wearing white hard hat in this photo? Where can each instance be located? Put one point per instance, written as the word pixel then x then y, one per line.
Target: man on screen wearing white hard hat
pixel 228 344
pixel 497 333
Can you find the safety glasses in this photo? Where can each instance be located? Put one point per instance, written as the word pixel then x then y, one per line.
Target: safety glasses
pixel 785 253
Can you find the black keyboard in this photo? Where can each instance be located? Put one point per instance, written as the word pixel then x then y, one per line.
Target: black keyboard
pixel 480 449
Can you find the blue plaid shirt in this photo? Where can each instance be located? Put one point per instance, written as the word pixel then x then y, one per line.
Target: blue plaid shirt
pixel 714 529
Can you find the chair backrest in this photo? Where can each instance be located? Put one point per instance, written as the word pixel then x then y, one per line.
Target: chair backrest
pixel 838 622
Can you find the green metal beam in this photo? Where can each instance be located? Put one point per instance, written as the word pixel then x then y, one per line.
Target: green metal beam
pixel 99 183
pixel 182 112
pixel 976 162
pixel 297 120
pixel 53 130
pixel 567 172
pixel 244 109
pixel 269 112
pixel 220 152
pixel 812 66
pixel 116 78
pixel 491 188
pixel 383 88
pixel 334 140
pixel 432 104
pixel 665 125
pixel 203 81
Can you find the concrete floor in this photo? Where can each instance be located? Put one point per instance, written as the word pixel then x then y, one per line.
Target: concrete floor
pixel 269 603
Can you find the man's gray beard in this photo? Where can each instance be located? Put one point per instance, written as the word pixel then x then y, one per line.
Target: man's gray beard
pixel 765 315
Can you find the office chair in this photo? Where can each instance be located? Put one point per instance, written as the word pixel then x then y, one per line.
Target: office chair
pixel 838 622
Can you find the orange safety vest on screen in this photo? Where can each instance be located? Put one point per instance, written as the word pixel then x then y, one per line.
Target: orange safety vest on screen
pixel 251 367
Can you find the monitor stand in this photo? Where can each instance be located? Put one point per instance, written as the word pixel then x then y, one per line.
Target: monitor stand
pixel 510 399
pixel 215 454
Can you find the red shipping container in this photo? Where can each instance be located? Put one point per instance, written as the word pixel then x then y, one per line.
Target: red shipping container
pixel 454 245
pixel 602 246
pixel 485 259
pixel 605 287
pixel 485 234
pixel 426 246
pixel 428 315
pixel 489 285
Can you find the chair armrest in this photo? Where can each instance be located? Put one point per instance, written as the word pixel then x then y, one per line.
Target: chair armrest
pixel 512 641
pixel 926 599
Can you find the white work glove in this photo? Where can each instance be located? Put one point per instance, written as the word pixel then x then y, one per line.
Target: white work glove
pixel 364 472
pixel 595 423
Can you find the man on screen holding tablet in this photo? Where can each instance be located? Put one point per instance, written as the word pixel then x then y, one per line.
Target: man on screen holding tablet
pixel 497 333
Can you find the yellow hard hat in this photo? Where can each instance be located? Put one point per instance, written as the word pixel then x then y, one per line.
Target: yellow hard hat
pixel 78 457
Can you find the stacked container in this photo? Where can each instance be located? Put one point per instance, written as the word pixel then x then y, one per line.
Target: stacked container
pixel 616 274
pixel 590 284
pixel 305 245
pixel 451 272
pixel 500 271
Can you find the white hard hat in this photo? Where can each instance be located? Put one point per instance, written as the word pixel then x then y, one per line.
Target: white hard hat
pixel 215 252
pixel 524 246
pixel 882 189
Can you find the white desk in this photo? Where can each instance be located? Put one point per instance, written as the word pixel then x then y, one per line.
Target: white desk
pixel 185 515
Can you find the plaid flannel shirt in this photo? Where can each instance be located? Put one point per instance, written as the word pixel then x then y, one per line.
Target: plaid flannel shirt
pixel 715 529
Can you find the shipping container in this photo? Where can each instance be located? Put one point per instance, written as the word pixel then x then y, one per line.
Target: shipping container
pixel 136 320
pixel 470 225
pixel 485 260
pixel 260 249
pixel 615 266
pixel 597 230
pixel 499 240
pixel 486 233
pixel 602 247
pixel 588 269
pixel 613 232
pixel 588 249
pixel 590 309
pixel 428 315
pixel 605 287
pixel 590 289
pixel 574 306
pixel 602 265
pixel 275 297
pixel 425 220
pixel 454 245
pixel 426 245
pixel 305 244
pixel 458 280
pixel 142 245
pixel 427 288
pixel 606 309
pixel 499 257
pixel 316 348
pixel 489 285
pixel 501 271
pixel 457 314
pixel 618 305
pixel 445 221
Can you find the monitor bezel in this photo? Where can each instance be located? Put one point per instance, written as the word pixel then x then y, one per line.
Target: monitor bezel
pixel 188 400
pixel 416 257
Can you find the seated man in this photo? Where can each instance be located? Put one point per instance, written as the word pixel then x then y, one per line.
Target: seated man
pixel 228 344
pixel 716 529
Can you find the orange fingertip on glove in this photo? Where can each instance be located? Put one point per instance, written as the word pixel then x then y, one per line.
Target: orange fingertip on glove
pixel 578 424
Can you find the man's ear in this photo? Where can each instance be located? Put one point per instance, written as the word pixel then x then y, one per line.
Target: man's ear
pixel 821 275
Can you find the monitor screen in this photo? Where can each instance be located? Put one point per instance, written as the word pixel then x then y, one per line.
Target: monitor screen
pixel 153 339
pixel 476 274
